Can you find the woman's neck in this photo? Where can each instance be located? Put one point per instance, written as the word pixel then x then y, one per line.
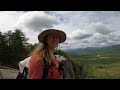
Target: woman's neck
pixel 51 52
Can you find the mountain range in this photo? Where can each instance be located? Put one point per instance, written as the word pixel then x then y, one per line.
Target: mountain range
pixel 94 49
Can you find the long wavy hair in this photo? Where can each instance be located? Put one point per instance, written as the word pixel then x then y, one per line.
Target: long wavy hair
pixel 42 51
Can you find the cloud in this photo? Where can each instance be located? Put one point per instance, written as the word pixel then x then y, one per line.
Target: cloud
pixel 98 38
pixel 36 21
pixel 83 28
pixel 98 27
pixel 114 38
pixel 8 20
pixel 59 16
pixel 101 28
pixel 80 34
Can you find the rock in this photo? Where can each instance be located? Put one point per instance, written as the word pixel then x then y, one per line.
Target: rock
pixel 8 73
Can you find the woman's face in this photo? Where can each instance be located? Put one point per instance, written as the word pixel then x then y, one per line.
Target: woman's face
pixel 53 41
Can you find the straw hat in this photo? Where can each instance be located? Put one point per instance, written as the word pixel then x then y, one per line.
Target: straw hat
pixel 62 35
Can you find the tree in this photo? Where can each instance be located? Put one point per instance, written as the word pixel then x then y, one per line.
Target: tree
pixel 13 47
pixel 30 47
pixel 18 41
pixel 8 37
pixel 3 48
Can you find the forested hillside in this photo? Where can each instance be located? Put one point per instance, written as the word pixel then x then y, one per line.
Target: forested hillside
pixel 14 47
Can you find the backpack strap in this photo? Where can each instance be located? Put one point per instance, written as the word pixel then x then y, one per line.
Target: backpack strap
pixel 23 75
pixel 45 71
pixel 25 71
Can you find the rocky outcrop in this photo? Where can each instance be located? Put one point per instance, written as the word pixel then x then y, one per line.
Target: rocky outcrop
pixel 7 73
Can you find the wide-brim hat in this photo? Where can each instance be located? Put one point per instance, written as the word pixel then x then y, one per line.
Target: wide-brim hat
pixel 42 35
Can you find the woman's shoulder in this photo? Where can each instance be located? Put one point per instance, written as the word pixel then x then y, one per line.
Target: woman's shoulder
pixel 36 60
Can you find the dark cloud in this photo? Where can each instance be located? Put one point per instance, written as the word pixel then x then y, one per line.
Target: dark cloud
pixel 37 21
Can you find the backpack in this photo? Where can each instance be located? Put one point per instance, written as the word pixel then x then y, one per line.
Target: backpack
pixel 23 75
pixel 67 66
pixel 68 69
pixel 64 64
pixel 24 69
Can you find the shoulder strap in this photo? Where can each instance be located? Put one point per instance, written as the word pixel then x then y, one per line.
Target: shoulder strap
pixel 45 71
pixel 25 71
pixel 23 75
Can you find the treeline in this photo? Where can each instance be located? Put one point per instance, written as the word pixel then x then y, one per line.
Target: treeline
pixel 14 47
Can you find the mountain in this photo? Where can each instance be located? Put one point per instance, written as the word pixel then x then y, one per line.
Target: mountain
pixel 94 49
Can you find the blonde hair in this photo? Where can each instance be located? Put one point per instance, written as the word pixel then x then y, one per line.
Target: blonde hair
pixel 41 51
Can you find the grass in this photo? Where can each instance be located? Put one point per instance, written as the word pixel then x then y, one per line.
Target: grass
pixel 107 67
pixel 107 72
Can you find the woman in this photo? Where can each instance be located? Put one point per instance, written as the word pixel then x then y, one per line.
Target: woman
pixel 44 55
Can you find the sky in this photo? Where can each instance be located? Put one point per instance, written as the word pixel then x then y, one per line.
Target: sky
pixel 83 28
